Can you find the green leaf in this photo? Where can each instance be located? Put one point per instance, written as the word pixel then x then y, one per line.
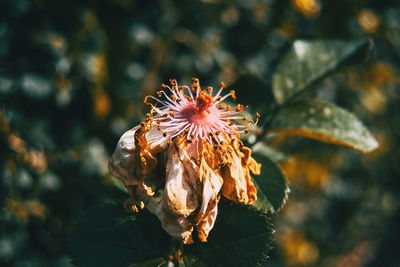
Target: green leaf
pixel 309 61
pixel 263 149
pixel 325 122
pixel 272 187
pixel 193 261
pixel 241 237
pixel 107 236
pixel 150 263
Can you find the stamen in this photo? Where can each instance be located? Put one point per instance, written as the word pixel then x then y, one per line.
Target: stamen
pixel 204 101
pixel 224 97
pixel 173 82
pixel 196 86
pixel 233 95
pixel 239 108
pixel 257 116
pixel 190 92
pixel 179 132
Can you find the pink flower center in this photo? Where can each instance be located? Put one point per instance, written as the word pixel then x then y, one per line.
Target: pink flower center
pixel 203 112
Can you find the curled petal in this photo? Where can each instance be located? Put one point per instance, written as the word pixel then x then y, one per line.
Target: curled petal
pixel 179 196
pixel 123 162
pixel 156 140
pixel 190 196
pixel 134 160
pixel 238 185
pixel 250 162
pixel 250 187
pixel 235 185
pixel 210 178
pixel 205 225
pixel 250 165
pixel 211 185
pixel 179 199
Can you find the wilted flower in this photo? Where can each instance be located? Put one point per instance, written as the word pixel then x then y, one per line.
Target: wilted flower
pixel 204 156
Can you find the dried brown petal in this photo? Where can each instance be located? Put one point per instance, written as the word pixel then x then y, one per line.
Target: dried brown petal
pixel 191 194
pixel 205 225
pixel 238 185
pixel 134 159
pixel 235 186
pixel 179 196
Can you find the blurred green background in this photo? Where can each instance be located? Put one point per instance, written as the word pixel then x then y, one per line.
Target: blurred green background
pixel 73 75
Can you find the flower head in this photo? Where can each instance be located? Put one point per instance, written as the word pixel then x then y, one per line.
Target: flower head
pixel 204 158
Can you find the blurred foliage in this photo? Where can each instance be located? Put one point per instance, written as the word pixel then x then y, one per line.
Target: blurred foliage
pixel 73 75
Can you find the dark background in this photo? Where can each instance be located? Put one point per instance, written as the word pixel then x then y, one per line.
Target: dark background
pixel 73 75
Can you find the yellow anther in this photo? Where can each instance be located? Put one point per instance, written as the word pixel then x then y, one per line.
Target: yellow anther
pixel 233 94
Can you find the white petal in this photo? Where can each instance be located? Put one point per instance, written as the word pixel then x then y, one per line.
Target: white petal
pixel 156 141
pixel 123 162
pixel 179 196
